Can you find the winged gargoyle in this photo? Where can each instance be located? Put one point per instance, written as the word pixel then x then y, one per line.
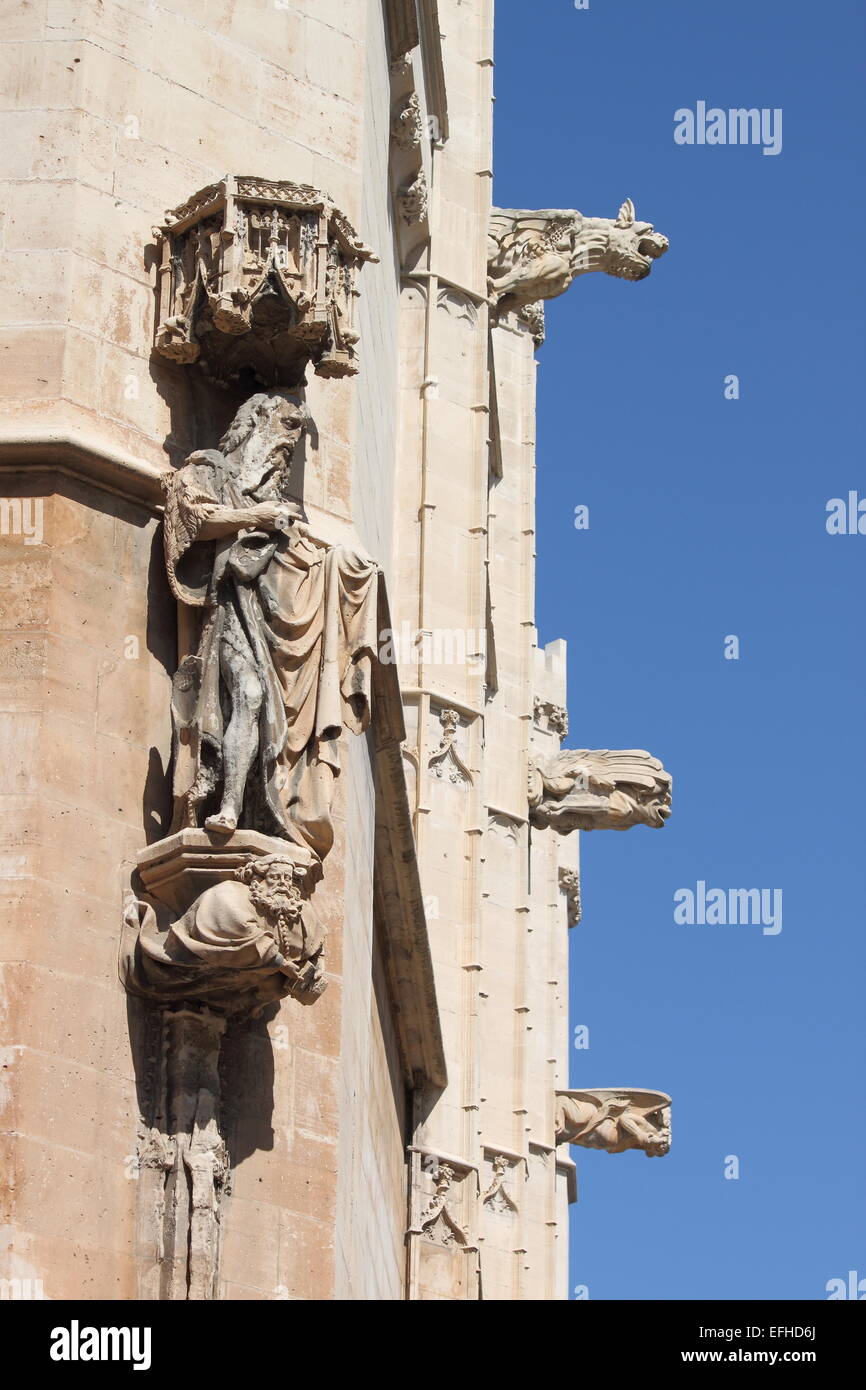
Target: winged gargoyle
pixel 615 1120
pixel 536 255
pixel 598 789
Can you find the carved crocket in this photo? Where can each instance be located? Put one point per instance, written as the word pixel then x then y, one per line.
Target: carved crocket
pixel 598 789
pixel 536 255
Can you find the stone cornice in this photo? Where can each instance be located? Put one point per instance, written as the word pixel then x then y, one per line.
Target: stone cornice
pixel 81 456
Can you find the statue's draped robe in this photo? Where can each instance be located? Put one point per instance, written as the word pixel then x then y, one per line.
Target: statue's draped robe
pixel 220 952
pixel 302 617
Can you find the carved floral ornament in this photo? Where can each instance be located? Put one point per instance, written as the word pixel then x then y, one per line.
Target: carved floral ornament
pixel 553 718
pixel 407 123
pixel 260 275
pixel 413 199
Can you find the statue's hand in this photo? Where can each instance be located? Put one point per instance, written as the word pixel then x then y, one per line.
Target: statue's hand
pixel 276 516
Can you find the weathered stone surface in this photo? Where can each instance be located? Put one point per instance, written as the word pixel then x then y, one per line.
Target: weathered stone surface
pixel 248 939
pixel 285 642
pixel 194 1140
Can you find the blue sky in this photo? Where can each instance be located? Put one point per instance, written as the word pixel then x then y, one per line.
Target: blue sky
pixel 707 518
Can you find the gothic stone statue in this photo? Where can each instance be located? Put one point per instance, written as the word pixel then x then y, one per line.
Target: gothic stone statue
pixel 598 789
pixel 245 942
pixel 615 1120
pixel 286 638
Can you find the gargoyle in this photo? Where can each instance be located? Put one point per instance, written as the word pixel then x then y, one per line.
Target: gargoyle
pixel 599 789
pixel 536 255
pixel 615 1120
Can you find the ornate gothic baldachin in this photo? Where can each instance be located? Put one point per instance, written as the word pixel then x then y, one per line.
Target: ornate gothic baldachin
pixel 259 275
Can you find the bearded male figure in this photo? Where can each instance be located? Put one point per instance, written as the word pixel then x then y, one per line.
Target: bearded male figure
pixel 245 941
pixel 284 647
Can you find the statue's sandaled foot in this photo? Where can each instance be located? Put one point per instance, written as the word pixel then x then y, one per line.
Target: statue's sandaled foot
pixel 225 823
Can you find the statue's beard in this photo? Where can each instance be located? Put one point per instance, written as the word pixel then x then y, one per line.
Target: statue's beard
pixel 280 907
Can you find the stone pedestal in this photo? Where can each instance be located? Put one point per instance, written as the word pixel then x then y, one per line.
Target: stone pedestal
pixel 176 870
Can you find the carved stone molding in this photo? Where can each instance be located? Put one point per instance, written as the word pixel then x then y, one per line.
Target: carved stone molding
pixel 503 827
pixel 615 1120
pixel 259 275
pixel 183 1165
pixel 534 256
pixel 583 789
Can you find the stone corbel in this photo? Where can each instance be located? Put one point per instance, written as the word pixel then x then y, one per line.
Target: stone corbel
pixel 226 924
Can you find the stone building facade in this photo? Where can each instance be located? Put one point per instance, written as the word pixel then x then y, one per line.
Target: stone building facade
pixel 290 841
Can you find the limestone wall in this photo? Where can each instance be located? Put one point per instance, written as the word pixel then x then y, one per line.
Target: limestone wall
pixel 426 458
pixel 115 114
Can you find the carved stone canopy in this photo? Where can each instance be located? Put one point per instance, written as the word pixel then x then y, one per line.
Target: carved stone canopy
pixel 598 789
pixel 615 1120
pixel 259 275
